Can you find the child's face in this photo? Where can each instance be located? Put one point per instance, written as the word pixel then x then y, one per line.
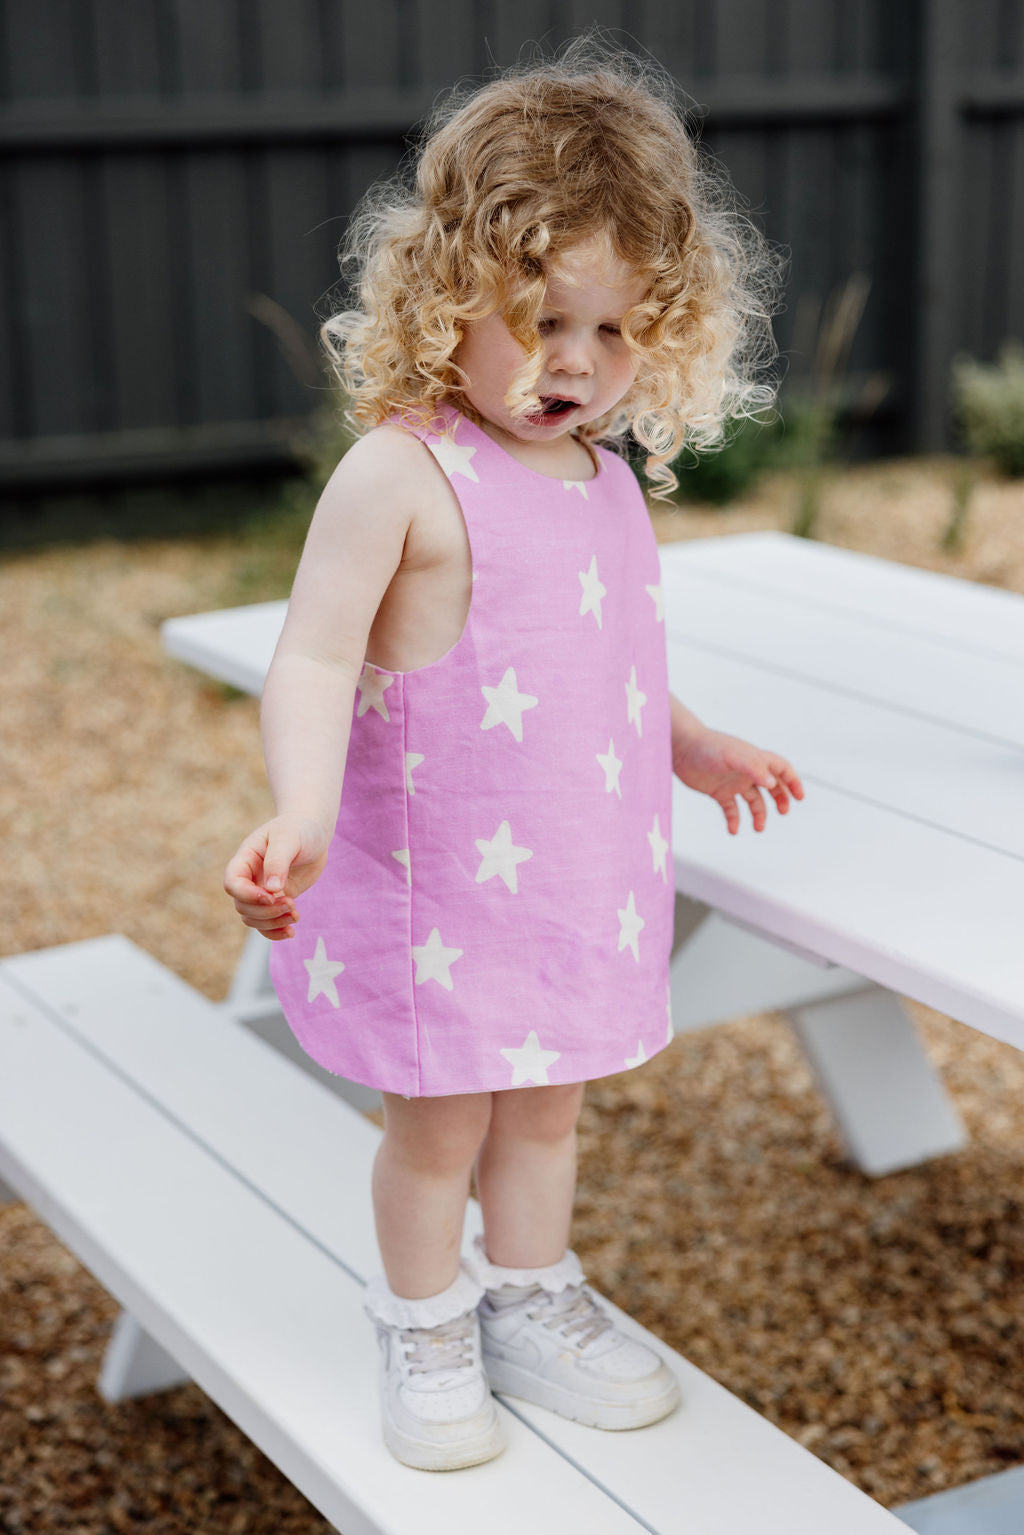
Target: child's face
pixel 587 366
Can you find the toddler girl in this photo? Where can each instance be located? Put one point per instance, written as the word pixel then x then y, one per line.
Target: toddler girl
pixel 475 645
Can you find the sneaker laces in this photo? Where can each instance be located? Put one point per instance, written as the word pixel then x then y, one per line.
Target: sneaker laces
pixel 573 1310
pixel 448 1346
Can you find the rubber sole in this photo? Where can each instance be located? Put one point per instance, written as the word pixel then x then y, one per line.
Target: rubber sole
pixel 509 1380
pixel 427 1455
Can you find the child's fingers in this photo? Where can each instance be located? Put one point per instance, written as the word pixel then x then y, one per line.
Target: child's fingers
pixel 732 815
pixel 755 802
pixel 283 847
pixel 260 911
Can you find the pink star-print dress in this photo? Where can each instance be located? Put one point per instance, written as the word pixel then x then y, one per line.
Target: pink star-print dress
pixel 497 907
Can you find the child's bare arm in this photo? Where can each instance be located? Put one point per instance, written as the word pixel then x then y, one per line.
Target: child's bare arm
pixel 353 549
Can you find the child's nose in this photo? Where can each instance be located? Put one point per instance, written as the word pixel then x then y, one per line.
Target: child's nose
pixel 569 354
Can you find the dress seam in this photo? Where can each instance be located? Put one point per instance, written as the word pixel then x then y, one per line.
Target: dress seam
pixel 408 845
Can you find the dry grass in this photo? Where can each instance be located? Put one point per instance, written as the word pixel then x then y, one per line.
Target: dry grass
pixel 879 1322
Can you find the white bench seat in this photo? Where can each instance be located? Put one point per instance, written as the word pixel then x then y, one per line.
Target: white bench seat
pixel 223 1196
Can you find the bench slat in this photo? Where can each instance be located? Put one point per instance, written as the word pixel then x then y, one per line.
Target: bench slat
pixel 266 1322
pixel 235 645
pixel 289 1137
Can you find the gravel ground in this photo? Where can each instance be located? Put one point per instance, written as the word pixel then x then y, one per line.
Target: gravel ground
pixel 879 1322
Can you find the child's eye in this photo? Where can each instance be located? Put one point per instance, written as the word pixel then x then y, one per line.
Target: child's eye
pixel 544 326
pixel 612 330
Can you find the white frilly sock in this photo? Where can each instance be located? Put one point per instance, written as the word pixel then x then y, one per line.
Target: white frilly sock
pixel 555 1278
pixel 381 1304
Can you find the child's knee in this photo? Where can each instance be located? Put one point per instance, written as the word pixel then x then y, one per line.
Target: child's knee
pixel 440 1136
pixel 538 1113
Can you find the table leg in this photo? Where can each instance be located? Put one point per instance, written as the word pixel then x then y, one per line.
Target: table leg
pixel 252 994
pixel 136 1364
pixel 890 1107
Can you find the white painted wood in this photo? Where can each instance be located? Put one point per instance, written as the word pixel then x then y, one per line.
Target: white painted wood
pixel 711 1470
pixel 270 1181
pixel 891 1109
pixel 134 1363
pixel 251 985
pixel 721 971
pixel 964 784
pixel 235 646
pixel 992 1505
pixel 260 1315
pixel 961 614
pixel 890 1115
pixel 929 916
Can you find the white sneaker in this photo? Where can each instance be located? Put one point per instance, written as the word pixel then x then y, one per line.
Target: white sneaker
pixel 437 1412
pixel 553 1344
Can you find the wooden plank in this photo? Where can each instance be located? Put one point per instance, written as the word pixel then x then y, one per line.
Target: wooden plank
pixel 962 785
pixel 777 639
pixel 55 384
pixel 933 919
pixel 974 619
pixel 126 44
pixel 179 1238
pixel 139 246
pixel 446 41
pixel 288 37
pixel 156 1048
pixel 13 341
pixel 207 46
pixel 235 646
pixel 219 366
pixel 40 45
pixel 937 239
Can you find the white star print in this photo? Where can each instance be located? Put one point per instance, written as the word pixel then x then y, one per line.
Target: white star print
pixel 403 858
pixel 321 974
pixel 630 925
pixel 656 596
pixel 371 687
pixel 580 485
pixel 530 1063
pixel 639 1058
pixel 434 961
pixel 500 857
pixel 612 767
pixel 454 459
pixel 506 705
pixel 659 847
pixel 412 760
pixel 635 701
pixel 593 591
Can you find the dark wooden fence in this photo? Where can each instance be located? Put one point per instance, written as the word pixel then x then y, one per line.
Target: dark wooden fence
pixel 163 162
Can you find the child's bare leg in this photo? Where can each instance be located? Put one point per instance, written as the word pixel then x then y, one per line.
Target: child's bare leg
pixel 526 1174
pixel 421 1184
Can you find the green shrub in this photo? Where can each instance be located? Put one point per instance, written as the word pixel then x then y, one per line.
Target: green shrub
pixel 989 401
pixel 721 475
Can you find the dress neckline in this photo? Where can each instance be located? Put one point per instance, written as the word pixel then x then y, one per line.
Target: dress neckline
pixel 555 479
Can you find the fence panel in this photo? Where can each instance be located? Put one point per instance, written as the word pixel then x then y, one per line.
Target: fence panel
pixel 175 179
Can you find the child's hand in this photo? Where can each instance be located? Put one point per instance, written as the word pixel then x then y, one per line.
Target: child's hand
pixel 275 864
pixel 724 766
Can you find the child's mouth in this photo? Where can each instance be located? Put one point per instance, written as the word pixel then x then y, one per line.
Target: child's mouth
pixel 552 406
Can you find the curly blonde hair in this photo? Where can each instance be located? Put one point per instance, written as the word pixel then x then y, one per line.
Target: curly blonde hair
pixel 511 174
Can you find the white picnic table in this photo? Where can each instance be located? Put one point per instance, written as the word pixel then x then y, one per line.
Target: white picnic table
pixel 216 1214
pixel 896 694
